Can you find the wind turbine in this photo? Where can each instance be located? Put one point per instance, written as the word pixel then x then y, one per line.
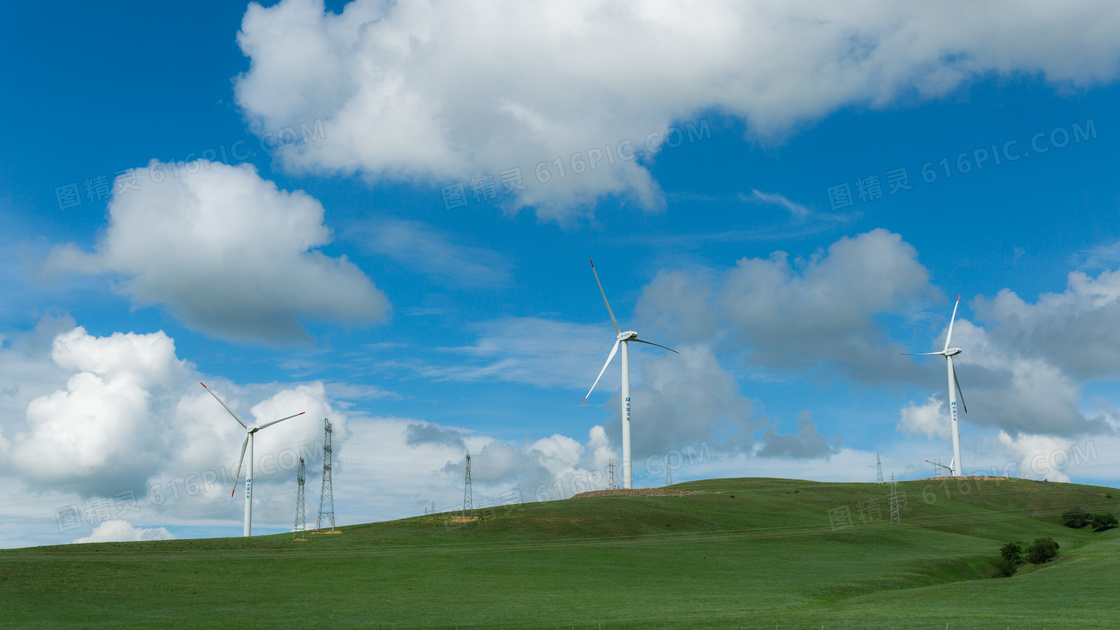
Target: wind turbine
pixel 623 339
pixel 250 431
pixel 954 388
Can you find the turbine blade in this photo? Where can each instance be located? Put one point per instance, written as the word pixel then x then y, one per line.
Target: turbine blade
pixel 609 357
pixel 921 354
pixel 955 380
pixel 949 335
pixel 231 411
pixel 654 344
pixel 613 320
pixel 280 420
pixel 241 461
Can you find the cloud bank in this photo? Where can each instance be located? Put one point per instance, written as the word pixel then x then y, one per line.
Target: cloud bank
pixel 446 92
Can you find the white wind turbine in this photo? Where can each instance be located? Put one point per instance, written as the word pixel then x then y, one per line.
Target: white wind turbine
pixel 623 339
pixel 250 431
pixel 954 389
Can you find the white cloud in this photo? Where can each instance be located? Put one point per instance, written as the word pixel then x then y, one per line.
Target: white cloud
pixel 446 91
pixel 683 400
pixel 1076 329
pixel 796 209
pixel 1011 389
pixel 122 531
pixel 793 315
pixel 925 419
pixel 229 253
pixel 99 434
pixel 807 443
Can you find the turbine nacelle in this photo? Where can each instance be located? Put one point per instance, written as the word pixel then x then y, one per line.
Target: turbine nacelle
pixel 951 352
pixel 629 335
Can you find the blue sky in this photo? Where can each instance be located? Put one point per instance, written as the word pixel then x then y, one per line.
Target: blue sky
pixel 369 236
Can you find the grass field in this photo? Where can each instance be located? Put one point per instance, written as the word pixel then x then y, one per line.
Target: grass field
pixel 755 553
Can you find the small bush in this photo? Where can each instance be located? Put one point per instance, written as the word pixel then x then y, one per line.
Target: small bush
pixel 1075 518
pixel 1102 522
pixel 1012 553
pixel 1006 568
pixel 1043 550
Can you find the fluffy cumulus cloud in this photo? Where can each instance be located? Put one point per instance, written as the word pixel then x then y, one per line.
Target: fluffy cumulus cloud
pixel 1075 329
pixel 229 253
pixel 802 313
pixel 127 414
pixel 100 433
pixel 446 91
pixel 122 531
pixel 684 400
pixel 807 443
pixel 925 419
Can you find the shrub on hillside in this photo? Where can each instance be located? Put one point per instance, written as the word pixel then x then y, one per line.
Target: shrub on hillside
pixel 1075 518
pixel 1012 552
pixel 1011 556
pixel 1042 550
pixel 1102 522
pixel 1004 568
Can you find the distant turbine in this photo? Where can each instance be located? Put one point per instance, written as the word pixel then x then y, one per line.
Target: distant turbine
pixel 623 339
pixel 954 389
pixel 250 431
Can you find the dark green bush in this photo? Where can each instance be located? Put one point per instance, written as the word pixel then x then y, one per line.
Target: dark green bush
pixel 1102 522
pixel 1075 518
pixel 1042 550
pixel 1012 553
pixel 1006 568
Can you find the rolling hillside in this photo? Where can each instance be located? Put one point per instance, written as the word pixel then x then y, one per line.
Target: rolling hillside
pixel 740 552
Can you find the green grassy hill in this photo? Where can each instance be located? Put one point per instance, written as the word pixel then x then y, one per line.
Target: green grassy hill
pixel 756 553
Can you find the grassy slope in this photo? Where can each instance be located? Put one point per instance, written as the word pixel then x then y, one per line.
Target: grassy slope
pixel 766 556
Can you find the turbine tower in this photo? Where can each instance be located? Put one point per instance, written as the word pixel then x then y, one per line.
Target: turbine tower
pixel 301 510
pixel 954 389
pixel 623 339
pixel 326 494
pixel 250 432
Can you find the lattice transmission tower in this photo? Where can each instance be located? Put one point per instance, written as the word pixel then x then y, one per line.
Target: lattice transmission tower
pixel 300 528
pixel 668 472
pixel 326 495
pixel 878 469
pixel 610 467
pixel 896 515
pixel 468 497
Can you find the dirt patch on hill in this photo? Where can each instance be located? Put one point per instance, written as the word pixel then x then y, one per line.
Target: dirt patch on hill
pixel 640 492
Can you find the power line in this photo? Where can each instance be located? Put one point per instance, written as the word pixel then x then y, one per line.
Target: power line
pixel 326 495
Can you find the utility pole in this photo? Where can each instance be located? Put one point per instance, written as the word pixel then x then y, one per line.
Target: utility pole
pixel 300 528
pixel 326 495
